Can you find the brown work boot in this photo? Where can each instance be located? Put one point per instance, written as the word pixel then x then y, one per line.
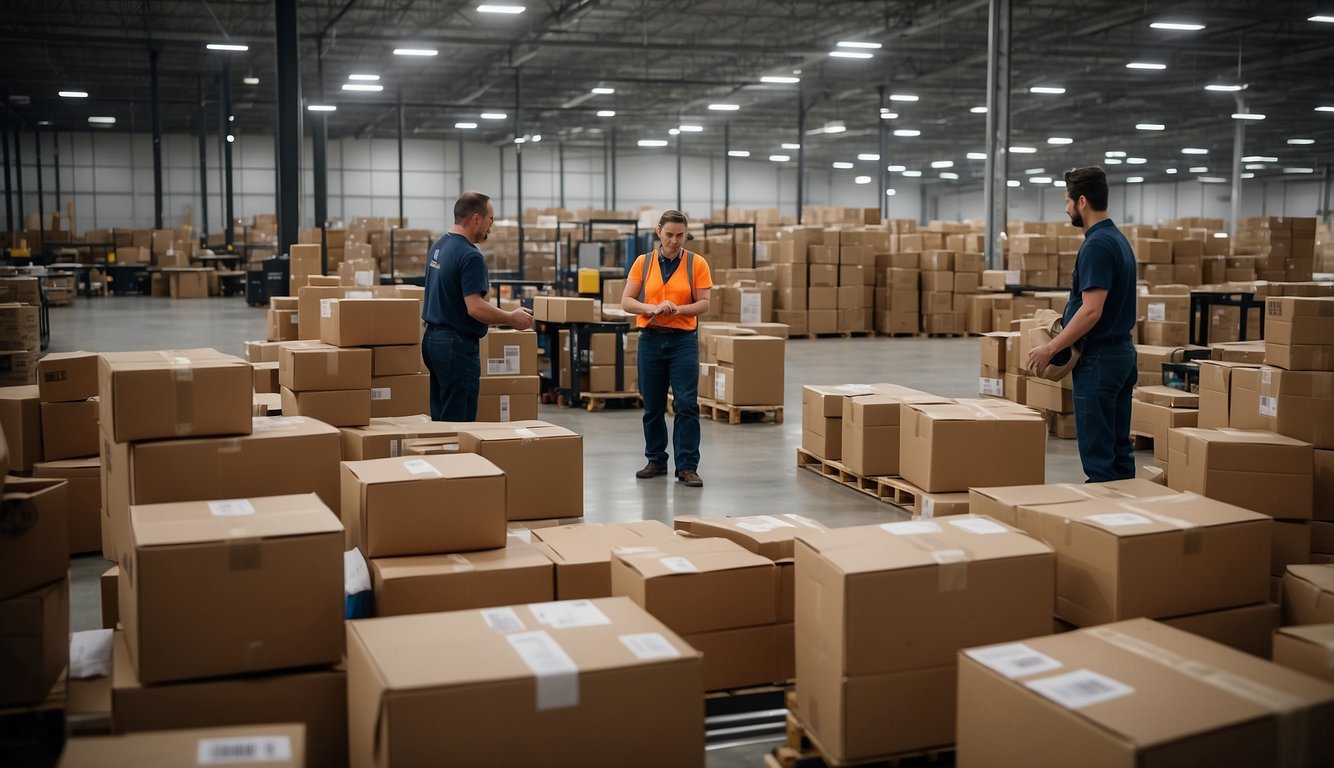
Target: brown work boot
pixel 652 469
pixel 690 477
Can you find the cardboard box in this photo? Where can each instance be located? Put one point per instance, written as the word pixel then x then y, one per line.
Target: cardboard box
pixel 1216 392
pixel 370 322
pixel 34 643
pixel 1323 508
pixel 518 573
pixel 563 310
pixel 1249 628
pixel 459 667
pixel 35 547
pixel 507 352
pixel 582 553
pixel 543 466
pixel 870 425
pixel 283 746
pixel 1003 503
pixel 315 366
pixel 173 393
pixel 18 368
pixel 739 658
pixel 398 360
pixel 1298 332
pixel 67 376
pixel 309 308
pixel 1308 594
pixel 423 505
pixel 230 587
pixel 69 430
pixel 83 503
pixel 1157 421
pixel 20 328
pixel 1135 693
pixel 266 379
pixel 1299 404
pixel 951 447
pixel 21 421
pixel 400 395
pixel 771 536
pixel 1309 650
pixel 880 614
pixel 1260 471
pixel 1050 396
pixel 1115 556
pixel 338 408
pixel 1244 409
pixel 508 398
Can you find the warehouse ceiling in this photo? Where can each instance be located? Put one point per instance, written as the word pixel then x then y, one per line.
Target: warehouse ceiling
pixel 668 61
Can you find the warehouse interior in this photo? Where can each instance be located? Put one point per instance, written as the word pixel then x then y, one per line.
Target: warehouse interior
pixel 219 224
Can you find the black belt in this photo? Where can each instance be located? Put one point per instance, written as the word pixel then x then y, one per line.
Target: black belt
pixel 659 329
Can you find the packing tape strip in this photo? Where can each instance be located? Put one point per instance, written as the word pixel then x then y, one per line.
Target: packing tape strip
pixel 557 676
pixel 183 391
pixel 1192 536
pixel 951 560
pixel 331 363
pixel 1293 719
pixel 243 550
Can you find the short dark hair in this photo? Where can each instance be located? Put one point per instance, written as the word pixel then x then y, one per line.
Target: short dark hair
pixel 1091 182
pixel 673 216
pixel 470 202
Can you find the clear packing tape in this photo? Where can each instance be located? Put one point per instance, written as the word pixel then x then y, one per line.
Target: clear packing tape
pixel 1192 542
pixel 951 559
pixel 183 378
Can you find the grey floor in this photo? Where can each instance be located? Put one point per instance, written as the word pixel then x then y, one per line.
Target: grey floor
pixel 746 469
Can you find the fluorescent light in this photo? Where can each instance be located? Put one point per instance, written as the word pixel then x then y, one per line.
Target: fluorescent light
pixel 250 80
pixel 43 122
pixel 1321 19
pixel 1259 159
pixel 1299 170
pixel 887 115
pixel 606 113
pixel 907 132
pixel 230 138
pixel 603 91
pixel 673 131
pixel 1198 169
pixel 691 128
pixel 870 157
pixel 856 44
pixel 1060 140
pixel 1136 160
pixel 977 155
pixel 978 110
pixel 493 115
pixel 1170 171
pixel 779 158
pixel 1224 88
pixel 1300 142
pixel 902 97
pixel 1113 161
pixel 652 142
pixel 1054 90
pixel 507 9
pixel 1194 151
pixel 1248 175
pixel 465 126
pixel 789 145
pixel 1145 65
pixel 1150 127
pixel 890 193
pixel 364 78
pixel 1324 109
pixel 519 139
pixel 896 168
pixel 322 108
pixel 1247 116
pixel 73 94
pixel 1212 180
pixel 738 153
pixel 1177 26
pixel 844 166
pixel 536 137
pixel 1011 183
pixel 362 87
pixel 415 51
pixel 835 128
pixel 862 180
pixel 1220 234
pixel 1023 150
pixel 724 107
pixel 102 120
pixel 1060 184
pixel 912 174
pixel 227 47
pixel 1255 166
pixel 1135 180
pixel 1034 171
pixel 849 55
pixel 1040 179
pixel 942 164
pixel 1113 153
pixel 780 79
pixel 949 176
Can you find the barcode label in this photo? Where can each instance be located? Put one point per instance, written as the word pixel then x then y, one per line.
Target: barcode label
pixel 911 528
pixel 1119 519
pixel 1266 375
pixel 231 508
pixel 1268 405
pixel 988 386
pixel 512 361
pixel 363 278
pixel 978 526
pixel 650 645
pixel 678 565
pixel 504 407
pixel 496 366
pixel 255 749
pixel 719 385
pixel 557 674
pixel 1013 660
pixel 326 307
pixel 568 614
pixel 420 467
pixel 503 620
pixel 1079 689
pixel 1157 312
pixel 381 393
pixel 750 308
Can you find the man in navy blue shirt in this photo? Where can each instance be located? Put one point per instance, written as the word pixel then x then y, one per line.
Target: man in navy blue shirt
pixel 1101 314
pixel 457 313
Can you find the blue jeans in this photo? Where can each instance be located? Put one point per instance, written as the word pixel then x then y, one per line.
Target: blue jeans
pixel 1104 382
pixel 455 365
pixel 670 359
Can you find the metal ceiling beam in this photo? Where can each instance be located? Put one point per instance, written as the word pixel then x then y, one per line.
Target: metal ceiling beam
pixel 287 138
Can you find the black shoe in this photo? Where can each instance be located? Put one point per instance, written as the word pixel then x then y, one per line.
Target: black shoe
pixel 690 477
pixel 652 469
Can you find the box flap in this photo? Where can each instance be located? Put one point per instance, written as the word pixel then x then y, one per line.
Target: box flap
pixel 414 468
pixel 919 543
pixel 667 557
pixel 515 555
pixel 197 522
pixel 1163 514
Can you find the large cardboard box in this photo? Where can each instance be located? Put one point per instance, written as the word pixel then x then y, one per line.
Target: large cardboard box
pixel 69 430
pixel 954 446
pixel 35 543
pixel 399 360
pixel 423 505
pixel 508 398
pixel 582 553
pixel 1249 628
pixel 34 643
pixel 518 573
pixel 336 407
pixel 308 366
pixel 1309 650
pixel 564 310
pixel 384 437
pixel 562 673
pixel 309 308
pixel 231 587
pixel 67 376
pixel 1299 332
pixel 21 421
pixel 1166 556
pixel 870 423
pixel 1216 392
pixel 1156 421
pixel 1261 471
pixel 174 393
pixel 406 395
pixel 278 746
pixel 1136 693
pixel 1003 503
pixel 507 352
pixel 881 611
pixel 83 497
pixel 1308 594
pixel 369 322
pixel 1298 404
pixel 543 465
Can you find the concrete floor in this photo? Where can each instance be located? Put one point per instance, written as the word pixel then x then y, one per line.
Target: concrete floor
pixel 747 468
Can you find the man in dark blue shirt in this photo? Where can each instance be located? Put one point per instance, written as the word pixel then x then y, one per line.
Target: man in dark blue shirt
pixel 457 313
pixel 1101 314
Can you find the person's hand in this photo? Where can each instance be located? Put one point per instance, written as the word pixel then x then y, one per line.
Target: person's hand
pixel 666 308
pixel 520 320
pixel 1040 357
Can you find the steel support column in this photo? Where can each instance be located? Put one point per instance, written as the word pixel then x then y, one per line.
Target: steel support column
pixel 155 97
pixel 55 164
pixel 9 197
pixel 998 129
pixel 560 159
pixel 680 141
pixel 727 170
pixel 226 137
pixel 18 176
pixel 451 210
pixel 319 135
pixel 41 202
pixel 801 151
pixel 402 126
pixel 287 59
pixel 883 175
pixel 518 159
pixel 202 118
pixel 1238 142
pixel 613 168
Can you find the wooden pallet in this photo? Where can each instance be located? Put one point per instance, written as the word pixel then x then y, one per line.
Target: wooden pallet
pixel 896 490
pixel 736 414
pixel 596 401
pixel 839 473
pixel 802 750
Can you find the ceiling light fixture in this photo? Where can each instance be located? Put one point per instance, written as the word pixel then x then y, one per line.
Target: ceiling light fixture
pixel 1060 141
pixel 1170 171
pixel 1324 109
pixel 862 180
pixel 1321 19
pixel 849 55
pixel 949 176
pixel 1150 127
pixel 1255 166
pixel 1194 151
pixel 415 52
pixel 363 87
pixel 1011 183
pixel 1136 160
pixel 321 108
pixel 780 80
pixel 724 107
pixel 493 115
pixel 1198 169
pixel 1177 26
pixel 977 155
pixel 364 78
pixel 73 94
pixel 1051 90
pixel 1034 171
pixel 1300 142
pixel 603 91
pixel 673 131
pixel 942 164
pixel 250 80
pixel 1248 175
pixel 835 127
pixel 1113 153
pixel 606 113
pixel 1112 161
pixel 902 97
pixel 896 168
pixel 1299 170
pixel 102 120
pixel 890 193
pixel 1212 180
pixel 1259 159
pixel 1224 88
pixel 870 157
pixel 652 142
pixel 978 110
pixel 228 47
pixel 511 10
pixel 738 153
pixel 685 128
pixel 465 126
pixel 1135 180
pixel 230 138
pixel 1148 65
pixel 779 158
pixel 1059 183
pixel 789 145
pixel 912 174
pixel 887 115
pixel 844 166
pixel 907 133
pixel 1040 180
pixel 1247 116
pixel 857 44
pixel 1023 150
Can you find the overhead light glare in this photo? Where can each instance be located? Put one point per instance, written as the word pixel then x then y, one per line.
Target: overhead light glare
pixel 1059 183
pixel 1060 141
pixel 603 91
pixel 1170 171
pixel 511 10
pixel 870 157
pixel 1224 87
pixel 1321 19
pixel 493 115
pixel 912 174
pixel 229 47
pixel 949 176
pixel 896 168
pixel 1248 175
pixel 978 110
pixel 907 132
pixel 102 120
pixel 857 44
pixel 685 128
pixel 977 155
pixel 465 126
pixel 1150 127
pixel 1194 151
pixel 890 193
pixel 1247 116
pixel 835 128
pixel 779 158
pixel 1034 171
pixel 902 97
pixel 73 94
pixel 652 142
pixel 364 78
pixel 230 138
pixel 674 132
pixel 1177 26
pixel 1052 90
pixel 780 80
pixel 250 80
pixel 1324 109
pixel 724 107
pixel 887 115
pixel 1135 180
pixel 844 166
pixel 363 87
pixel 1212 180
pixel 862 180
pixel 1023 150
pixel 1255 166
pixel 415 52
pixel 1198 169
pixel 942 164
pixel 790 145
pixel 1011 183
pixel 1040 180
pixel 1113 153
pixel 1136 160
pixel 738 153
pixel 1299 170
pixel 606 113
pixel 1146 65
pixel 1300 142
pixel 1113 161
pixel 1259 159
pixel 849 55
pixel 322 108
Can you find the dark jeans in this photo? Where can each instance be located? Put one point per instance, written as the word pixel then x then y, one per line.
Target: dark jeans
pixel 456 370
pixel 1104 382
pixel 670 359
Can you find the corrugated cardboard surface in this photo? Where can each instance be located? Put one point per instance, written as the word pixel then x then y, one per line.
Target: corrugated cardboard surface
pixel 406 395
pixel 582 553
pixel 67 376
pixel 34 547
pixel 318 366
pixel 174 393
pixel 543 465
pixel 952 447
pixel 518 573
pixel 1249 628
pixel 369 322
pixel 1308 594
pixel 273 746
pixel 772 536
pixel 337 407
pixel 21 420
pixel 34 643
pixel 1258 470
pixel 1308 649
pixel 83 500
pixel 383 437
pixel 1003 502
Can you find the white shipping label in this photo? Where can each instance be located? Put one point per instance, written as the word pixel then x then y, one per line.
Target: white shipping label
pixel 719 385
pixel 1011 277
pixel 678 565
pixel 1079 689
pixel 504 407
pixel 326 307
pixel 750 308
pixel 363 278
pixel 1268 405
pixel 356 576
pixel 503 620
pixel 928 507
pixel 567 614
pixel 512 361
pixel 994 387
pixel 1266 375
pixel 650 645
pixel 496 366
pixel 557 674
pixel 381 393
pixel 420 467
pixel 1013 660
pixel 1157 312
pixel 231 508
pixel 296 319
pixel 359 295
pixel 1119 519
pixel 978 526
pixel 239 751
pixel 911 528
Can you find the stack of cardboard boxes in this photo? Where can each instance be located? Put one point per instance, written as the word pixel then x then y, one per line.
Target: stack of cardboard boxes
pixel 324 382
pixel 20 339
pixel 1284 248
pixel 283 319
pixel 1156 410
pixel 510 385
pixel 1163 317
pixel 749 371
pixel 67 388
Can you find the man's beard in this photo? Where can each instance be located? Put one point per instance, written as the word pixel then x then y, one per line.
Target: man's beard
pixel 1077 220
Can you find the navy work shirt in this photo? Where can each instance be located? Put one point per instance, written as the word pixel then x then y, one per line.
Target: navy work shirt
pixel 454 270
pixel 1105 261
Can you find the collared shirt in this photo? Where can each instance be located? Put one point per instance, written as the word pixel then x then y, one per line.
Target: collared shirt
pixel 669 265
pixel 455 269
pixel 1105 261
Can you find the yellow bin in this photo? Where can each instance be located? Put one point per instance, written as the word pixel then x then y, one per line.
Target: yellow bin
pixel 589 281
